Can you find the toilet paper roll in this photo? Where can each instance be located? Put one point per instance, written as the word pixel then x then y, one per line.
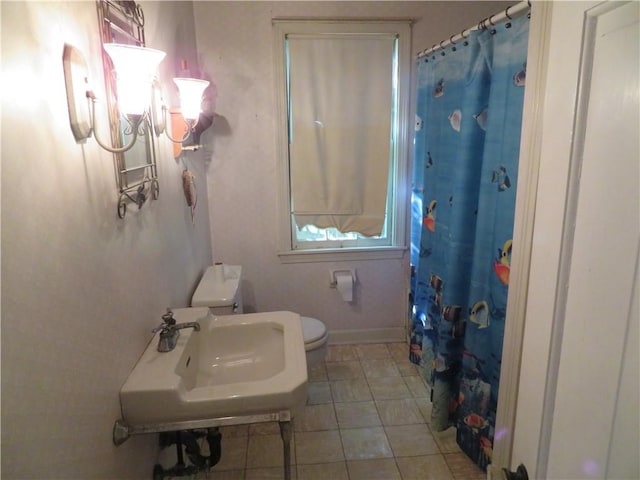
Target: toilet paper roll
pixel 345 286
pixel 218 271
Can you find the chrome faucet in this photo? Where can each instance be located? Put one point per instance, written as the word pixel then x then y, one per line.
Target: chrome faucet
pixel 170 331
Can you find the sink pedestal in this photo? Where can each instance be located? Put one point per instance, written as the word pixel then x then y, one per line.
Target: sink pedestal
pixel 235 369
pixel 122 431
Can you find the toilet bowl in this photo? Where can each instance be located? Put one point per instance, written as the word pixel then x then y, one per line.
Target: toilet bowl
pixel 315 340
pixel 219 289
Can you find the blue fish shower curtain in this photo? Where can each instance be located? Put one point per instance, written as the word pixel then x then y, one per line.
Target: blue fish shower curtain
pixel 469 115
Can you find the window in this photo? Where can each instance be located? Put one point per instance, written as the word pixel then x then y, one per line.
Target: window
pixel 343 92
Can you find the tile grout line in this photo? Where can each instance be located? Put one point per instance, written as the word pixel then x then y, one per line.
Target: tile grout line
pixel 445 456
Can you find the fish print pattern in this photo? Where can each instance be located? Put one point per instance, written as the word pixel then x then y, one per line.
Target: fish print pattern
pixel 466 150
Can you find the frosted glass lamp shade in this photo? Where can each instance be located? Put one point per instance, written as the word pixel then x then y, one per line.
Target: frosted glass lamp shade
pixel 191 91
pixel 135 68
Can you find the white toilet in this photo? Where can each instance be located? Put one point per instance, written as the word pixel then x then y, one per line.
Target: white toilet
pixel 315 340
pixel 219 289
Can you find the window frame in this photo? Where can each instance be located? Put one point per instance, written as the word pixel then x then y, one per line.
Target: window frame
pixel 399 178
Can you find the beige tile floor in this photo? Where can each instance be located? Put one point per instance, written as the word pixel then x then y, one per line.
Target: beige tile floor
pixel 367 417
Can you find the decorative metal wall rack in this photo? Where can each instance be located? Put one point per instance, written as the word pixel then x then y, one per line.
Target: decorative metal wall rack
pixel 136 170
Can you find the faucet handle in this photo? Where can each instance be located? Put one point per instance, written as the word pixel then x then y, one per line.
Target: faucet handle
pixel 168 318
pixel 162 326
pixel 167 321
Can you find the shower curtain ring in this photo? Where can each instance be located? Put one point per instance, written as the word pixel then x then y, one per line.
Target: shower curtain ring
pixel 506 12
pixel 493 30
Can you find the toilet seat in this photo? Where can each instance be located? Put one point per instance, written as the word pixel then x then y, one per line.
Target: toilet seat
pixel 314 333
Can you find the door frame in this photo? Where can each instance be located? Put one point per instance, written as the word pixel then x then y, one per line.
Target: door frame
pixel 526 199
pixel 546 184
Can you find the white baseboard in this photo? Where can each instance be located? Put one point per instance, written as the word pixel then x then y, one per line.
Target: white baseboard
pixel 367 335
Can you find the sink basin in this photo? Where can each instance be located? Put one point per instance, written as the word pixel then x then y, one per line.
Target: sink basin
pixel 235 365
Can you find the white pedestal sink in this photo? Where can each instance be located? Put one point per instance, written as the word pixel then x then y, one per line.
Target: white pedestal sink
pixel 236 369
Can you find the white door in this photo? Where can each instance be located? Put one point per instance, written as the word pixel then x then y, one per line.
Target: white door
pixel 577 410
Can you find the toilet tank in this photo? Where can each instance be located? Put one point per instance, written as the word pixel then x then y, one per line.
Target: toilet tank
pixel 219 289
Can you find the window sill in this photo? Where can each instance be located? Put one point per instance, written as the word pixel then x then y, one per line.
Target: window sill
pixel 341 254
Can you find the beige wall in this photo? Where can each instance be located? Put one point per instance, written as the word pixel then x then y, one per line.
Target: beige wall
pixel 235 43
pixel 81 289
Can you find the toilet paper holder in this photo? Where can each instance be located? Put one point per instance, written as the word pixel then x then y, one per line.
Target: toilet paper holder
pixel 333 280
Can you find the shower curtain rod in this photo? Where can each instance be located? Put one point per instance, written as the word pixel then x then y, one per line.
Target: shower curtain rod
pixel 509 13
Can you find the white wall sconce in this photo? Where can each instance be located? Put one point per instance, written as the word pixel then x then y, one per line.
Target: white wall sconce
pixel 135 69
pixel 132 102
pixel 135 108
pixel 133 83
pixel 191 91
pixel 185 119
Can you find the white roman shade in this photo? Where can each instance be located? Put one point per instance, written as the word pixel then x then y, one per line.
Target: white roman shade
pixel 341 96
